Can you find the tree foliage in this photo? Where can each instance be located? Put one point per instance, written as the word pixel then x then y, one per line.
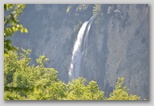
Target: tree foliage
pixel 78 90
pixel 121 93
pixel 25 81
pixel 79 8
pixel 97 9
pixel 12 24
pixel 20 76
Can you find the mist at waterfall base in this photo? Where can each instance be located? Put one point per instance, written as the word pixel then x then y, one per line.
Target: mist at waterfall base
pixel 78 49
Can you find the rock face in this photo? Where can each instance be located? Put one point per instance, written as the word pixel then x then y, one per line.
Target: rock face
pixel 117 45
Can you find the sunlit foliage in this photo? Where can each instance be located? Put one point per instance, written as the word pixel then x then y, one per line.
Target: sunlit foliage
pixel 12 24
pixel 25 81
pixel 121 93
pixel 20 76
pixel 78 90
pixel 97 9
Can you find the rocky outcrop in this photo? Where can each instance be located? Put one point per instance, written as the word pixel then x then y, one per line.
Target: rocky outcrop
pixel 117 45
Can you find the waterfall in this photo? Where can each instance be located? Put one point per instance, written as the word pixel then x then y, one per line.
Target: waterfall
pixel 74 68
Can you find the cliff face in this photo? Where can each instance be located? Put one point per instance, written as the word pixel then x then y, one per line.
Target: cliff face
pixel 117 45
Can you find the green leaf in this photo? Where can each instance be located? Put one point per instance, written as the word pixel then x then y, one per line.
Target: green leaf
pixel 25 30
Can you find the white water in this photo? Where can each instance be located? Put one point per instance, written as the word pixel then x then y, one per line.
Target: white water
pixel 76 54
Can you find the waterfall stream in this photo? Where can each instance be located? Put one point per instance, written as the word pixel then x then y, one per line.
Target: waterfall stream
pixel 74 68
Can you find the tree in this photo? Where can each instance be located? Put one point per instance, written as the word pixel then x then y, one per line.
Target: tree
pixel 12 24
pixel 21 78
pixel 25 81
pixel 78 90
pixel 121 93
